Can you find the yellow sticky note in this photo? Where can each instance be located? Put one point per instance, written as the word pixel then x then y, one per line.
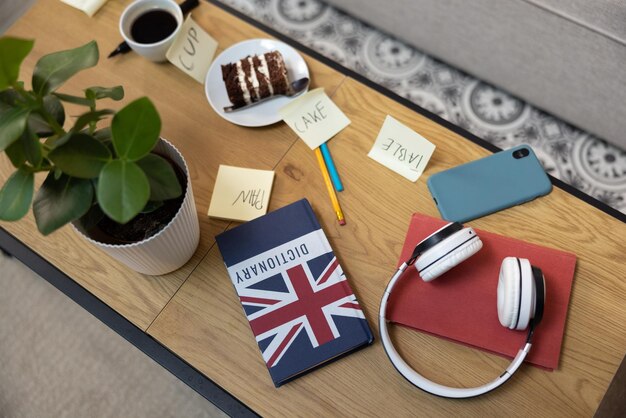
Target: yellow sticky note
pixel 90 7
pixel 192 50
pixel 401 149
pixel 241 194
pixel 314 117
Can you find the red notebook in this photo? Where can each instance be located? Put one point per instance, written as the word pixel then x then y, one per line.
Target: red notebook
pixel 461 304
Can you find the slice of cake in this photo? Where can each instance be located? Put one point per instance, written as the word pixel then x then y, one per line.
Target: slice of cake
pixel 255 77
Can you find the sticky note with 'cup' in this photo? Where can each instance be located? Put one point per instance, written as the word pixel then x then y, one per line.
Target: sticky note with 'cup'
pixel 314 117
pixel 192 50
pixel 401 149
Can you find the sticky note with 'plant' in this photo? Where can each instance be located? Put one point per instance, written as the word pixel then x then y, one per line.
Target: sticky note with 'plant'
pixel 241 194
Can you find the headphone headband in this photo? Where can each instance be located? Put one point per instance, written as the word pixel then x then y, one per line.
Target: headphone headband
pixel 434 239
pixel 519 305
pixel 427 385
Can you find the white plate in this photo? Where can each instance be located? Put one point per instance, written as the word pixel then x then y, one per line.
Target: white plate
pixel 265 113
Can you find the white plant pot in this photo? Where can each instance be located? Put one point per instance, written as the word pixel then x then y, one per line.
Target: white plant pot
pixel 171 247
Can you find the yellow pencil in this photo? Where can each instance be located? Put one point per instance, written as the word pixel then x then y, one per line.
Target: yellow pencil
pixel 329 186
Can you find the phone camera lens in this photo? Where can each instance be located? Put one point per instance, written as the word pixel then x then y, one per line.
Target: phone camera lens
pixel 521 153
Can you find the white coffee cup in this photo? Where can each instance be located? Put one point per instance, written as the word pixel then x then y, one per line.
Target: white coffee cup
pixel 154 51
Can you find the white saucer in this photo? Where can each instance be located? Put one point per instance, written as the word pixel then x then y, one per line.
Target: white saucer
pixel 264 113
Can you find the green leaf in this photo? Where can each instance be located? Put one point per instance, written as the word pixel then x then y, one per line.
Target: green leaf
pixel 8 99
pixel 32 147
pixel 92 217
pixel 152 205
pixel 52 70
pixel 15 152
pixel 74 99
pixel 57 141
pixel 86 118
pixel 28 148
pixel 12 124
pixel 164 184
pixel 16 195
pixel 123 190
pixel 60 201
pixel 135 129
pixel 103 135
pixel 97 93
pixel 82 156
pixel 53 106
pixel 12 53
pixel 39 125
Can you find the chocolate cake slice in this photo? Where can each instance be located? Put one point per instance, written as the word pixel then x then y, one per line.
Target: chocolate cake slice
pixel 255 77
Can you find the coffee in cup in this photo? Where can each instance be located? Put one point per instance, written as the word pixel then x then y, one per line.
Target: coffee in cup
pixel 149 27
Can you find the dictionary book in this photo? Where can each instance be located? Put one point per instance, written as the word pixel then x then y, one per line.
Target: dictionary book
pixel 298 302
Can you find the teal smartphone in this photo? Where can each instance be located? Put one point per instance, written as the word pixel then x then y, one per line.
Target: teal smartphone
pixel 499 181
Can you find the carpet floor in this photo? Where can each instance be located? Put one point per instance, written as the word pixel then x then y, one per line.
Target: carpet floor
pixel 57 360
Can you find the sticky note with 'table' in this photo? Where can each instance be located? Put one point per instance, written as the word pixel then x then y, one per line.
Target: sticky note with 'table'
pixel 192 50
pixel 314 117
pixel 401 149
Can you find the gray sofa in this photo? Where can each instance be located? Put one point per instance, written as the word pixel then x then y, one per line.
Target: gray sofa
pixel 567 57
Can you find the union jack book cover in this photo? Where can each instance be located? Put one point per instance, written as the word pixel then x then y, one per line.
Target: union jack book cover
pixel 300 306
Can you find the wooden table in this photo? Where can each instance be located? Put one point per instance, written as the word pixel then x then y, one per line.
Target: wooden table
pixel 193 315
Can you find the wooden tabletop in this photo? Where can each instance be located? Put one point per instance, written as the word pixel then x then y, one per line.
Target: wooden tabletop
pixel 194 311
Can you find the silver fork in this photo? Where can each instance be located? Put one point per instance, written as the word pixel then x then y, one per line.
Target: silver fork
pixel 297 88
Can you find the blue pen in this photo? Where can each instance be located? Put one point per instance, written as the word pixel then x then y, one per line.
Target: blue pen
pixel 330 165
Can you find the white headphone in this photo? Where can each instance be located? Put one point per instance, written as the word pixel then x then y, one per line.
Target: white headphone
pixel 521 296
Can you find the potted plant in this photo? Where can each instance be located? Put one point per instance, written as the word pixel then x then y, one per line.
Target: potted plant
pixel 122 187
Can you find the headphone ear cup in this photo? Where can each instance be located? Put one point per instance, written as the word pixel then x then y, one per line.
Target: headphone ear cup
pixel 516 293
pixel 540 294
pixel 508 296
pixel 451 260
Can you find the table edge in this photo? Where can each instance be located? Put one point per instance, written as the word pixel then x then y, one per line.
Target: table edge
pixel 169 360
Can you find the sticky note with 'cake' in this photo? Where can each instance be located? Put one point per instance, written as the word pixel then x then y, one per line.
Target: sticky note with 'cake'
pixel 314 117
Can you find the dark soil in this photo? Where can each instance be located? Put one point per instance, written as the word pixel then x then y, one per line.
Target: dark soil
pixel 144 225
